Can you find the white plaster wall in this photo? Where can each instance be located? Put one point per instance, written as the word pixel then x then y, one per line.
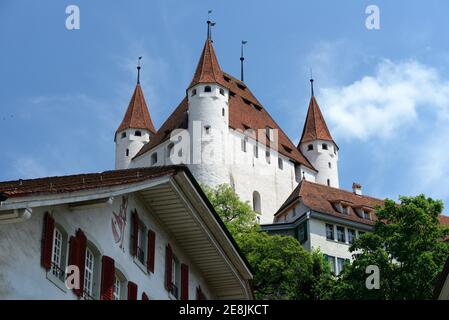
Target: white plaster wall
pixel 131 142
pixel 23 277
pixel 320 159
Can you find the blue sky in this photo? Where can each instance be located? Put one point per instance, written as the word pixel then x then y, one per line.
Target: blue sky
pixel 384 93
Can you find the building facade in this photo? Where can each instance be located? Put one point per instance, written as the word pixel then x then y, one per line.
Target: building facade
pixel 133 234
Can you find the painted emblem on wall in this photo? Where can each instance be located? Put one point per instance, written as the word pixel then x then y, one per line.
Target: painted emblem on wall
pixel 119 222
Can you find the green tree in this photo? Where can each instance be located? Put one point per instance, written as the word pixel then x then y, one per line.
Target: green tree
pixel 408 247
pixel 282 268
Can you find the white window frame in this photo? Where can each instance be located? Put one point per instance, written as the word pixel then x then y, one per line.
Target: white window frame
pixel 89 272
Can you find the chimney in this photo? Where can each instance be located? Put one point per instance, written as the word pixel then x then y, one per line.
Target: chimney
pixel 357 188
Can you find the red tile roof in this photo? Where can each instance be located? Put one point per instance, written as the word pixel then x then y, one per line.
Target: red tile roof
pixel 73 183
pixel 137 115
pixel 444 220
pixel 208 69
pixel 320 198
pixel 315 127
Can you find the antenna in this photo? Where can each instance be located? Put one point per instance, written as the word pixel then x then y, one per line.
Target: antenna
pixel 242 58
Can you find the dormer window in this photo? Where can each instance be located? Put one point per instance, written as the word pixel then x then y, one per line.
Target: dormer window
pixel 123 135
pixel 345 209
pixel 207 89
pixel 138 133
pixel 227 78
pixel 222 91
pixel 241 86
pixel 366 215
pixel 310 147
pixel 193 92
pixel 324 146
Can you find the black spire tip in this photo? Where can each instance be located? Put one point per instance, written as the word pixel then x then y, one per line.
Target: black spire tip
pixel 138 70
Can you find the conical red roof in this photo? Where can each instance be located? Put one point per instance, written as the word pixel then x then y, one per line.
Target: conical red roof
pixel 315 127
pixel 208 69
pixel 137 115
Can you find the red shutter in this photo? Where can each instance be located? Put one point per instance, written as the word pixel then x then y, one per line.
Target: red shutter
pixel 132 291
pixel 77 256
pixel 107 278
pixel 168 268
pixel 151 250
pixel 47 241
pixel 134 233
pixel 144 296
pixel 184 282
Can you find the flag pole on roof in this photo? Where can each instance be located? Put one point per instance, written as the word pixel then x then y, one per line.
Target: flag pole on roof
pixel 311 82
pixel 138 70
pixel 242 58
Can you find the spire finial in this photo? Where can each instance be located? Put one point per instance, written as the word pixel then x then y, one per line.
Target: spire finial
pixel 242 58
pixel 210 24
pixel 138 70
pixel 311 82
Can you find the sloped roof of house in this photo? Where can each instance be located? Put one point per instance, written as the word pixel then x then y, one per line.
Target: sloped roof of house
pixel 137 115
pixel 315 128
pixel 245 111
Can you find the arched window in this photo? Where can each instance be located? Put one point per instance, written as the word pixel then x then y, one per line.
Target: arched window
pixel 267 156
pixel 222 91
pixel 328 182
pixel 310 147
pixel 324 146
pixel 244 143
pixel 256 202
pixel 280 163
pixel 154 158
pixel 223 112
pixel 138 133
pixel 207 89
pixel 127 152
pixel 330 165
pixel 123 135
pixel 193 92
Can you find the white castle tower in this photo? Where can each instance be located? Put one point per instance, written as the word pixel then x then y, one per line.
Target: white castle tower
pixel 208 120
pixel 318 147
pixel 135 130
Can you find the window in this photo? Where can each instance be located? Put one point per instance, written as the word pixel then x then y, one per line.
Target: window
pixel 89 274
pixel 154 158
pixel 345 209
pixel 302 232
pixel 270 133
pixel 256 202
pixel 119 286
pixel 310 147
pixel 328 182
pixel 267 156
pixel 127 152
pixel 193 92
pixel 176 277
pixel 223 112
pixel 351 236
pixel 331 261
pixel 117 289
pixel 241 86
pixel 280 164
pixel 170 149
pixel 138 133
pixel 340 265
pixel 341 234
pixel 330 232
pixel 123 135
pixel 330 165
pixel 141 243
pixel 222 91
pixel 256 151
pixel 207 130
pixel 58 258
pixel 366 215
pixel 324 146
pixel 207 89
pixel 244 143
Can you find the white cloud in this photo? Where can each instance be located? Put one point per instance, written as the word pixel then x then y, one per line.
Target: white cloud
pixel 380 105
pixel 27 167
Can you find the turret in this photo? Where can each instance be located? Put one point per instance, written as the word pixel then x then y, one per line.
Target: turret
pixel 208 124
pixel 318 146
pixel 135 130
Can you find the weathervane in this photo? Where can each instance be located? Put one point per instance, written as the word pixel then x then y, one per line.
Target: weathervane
pixel 242 58
pixel 138 70
pixel 210 24
pixel 311 82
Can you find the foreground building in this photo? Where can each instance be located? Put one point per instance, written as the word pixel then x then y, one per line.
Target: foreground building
pixel 146 233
